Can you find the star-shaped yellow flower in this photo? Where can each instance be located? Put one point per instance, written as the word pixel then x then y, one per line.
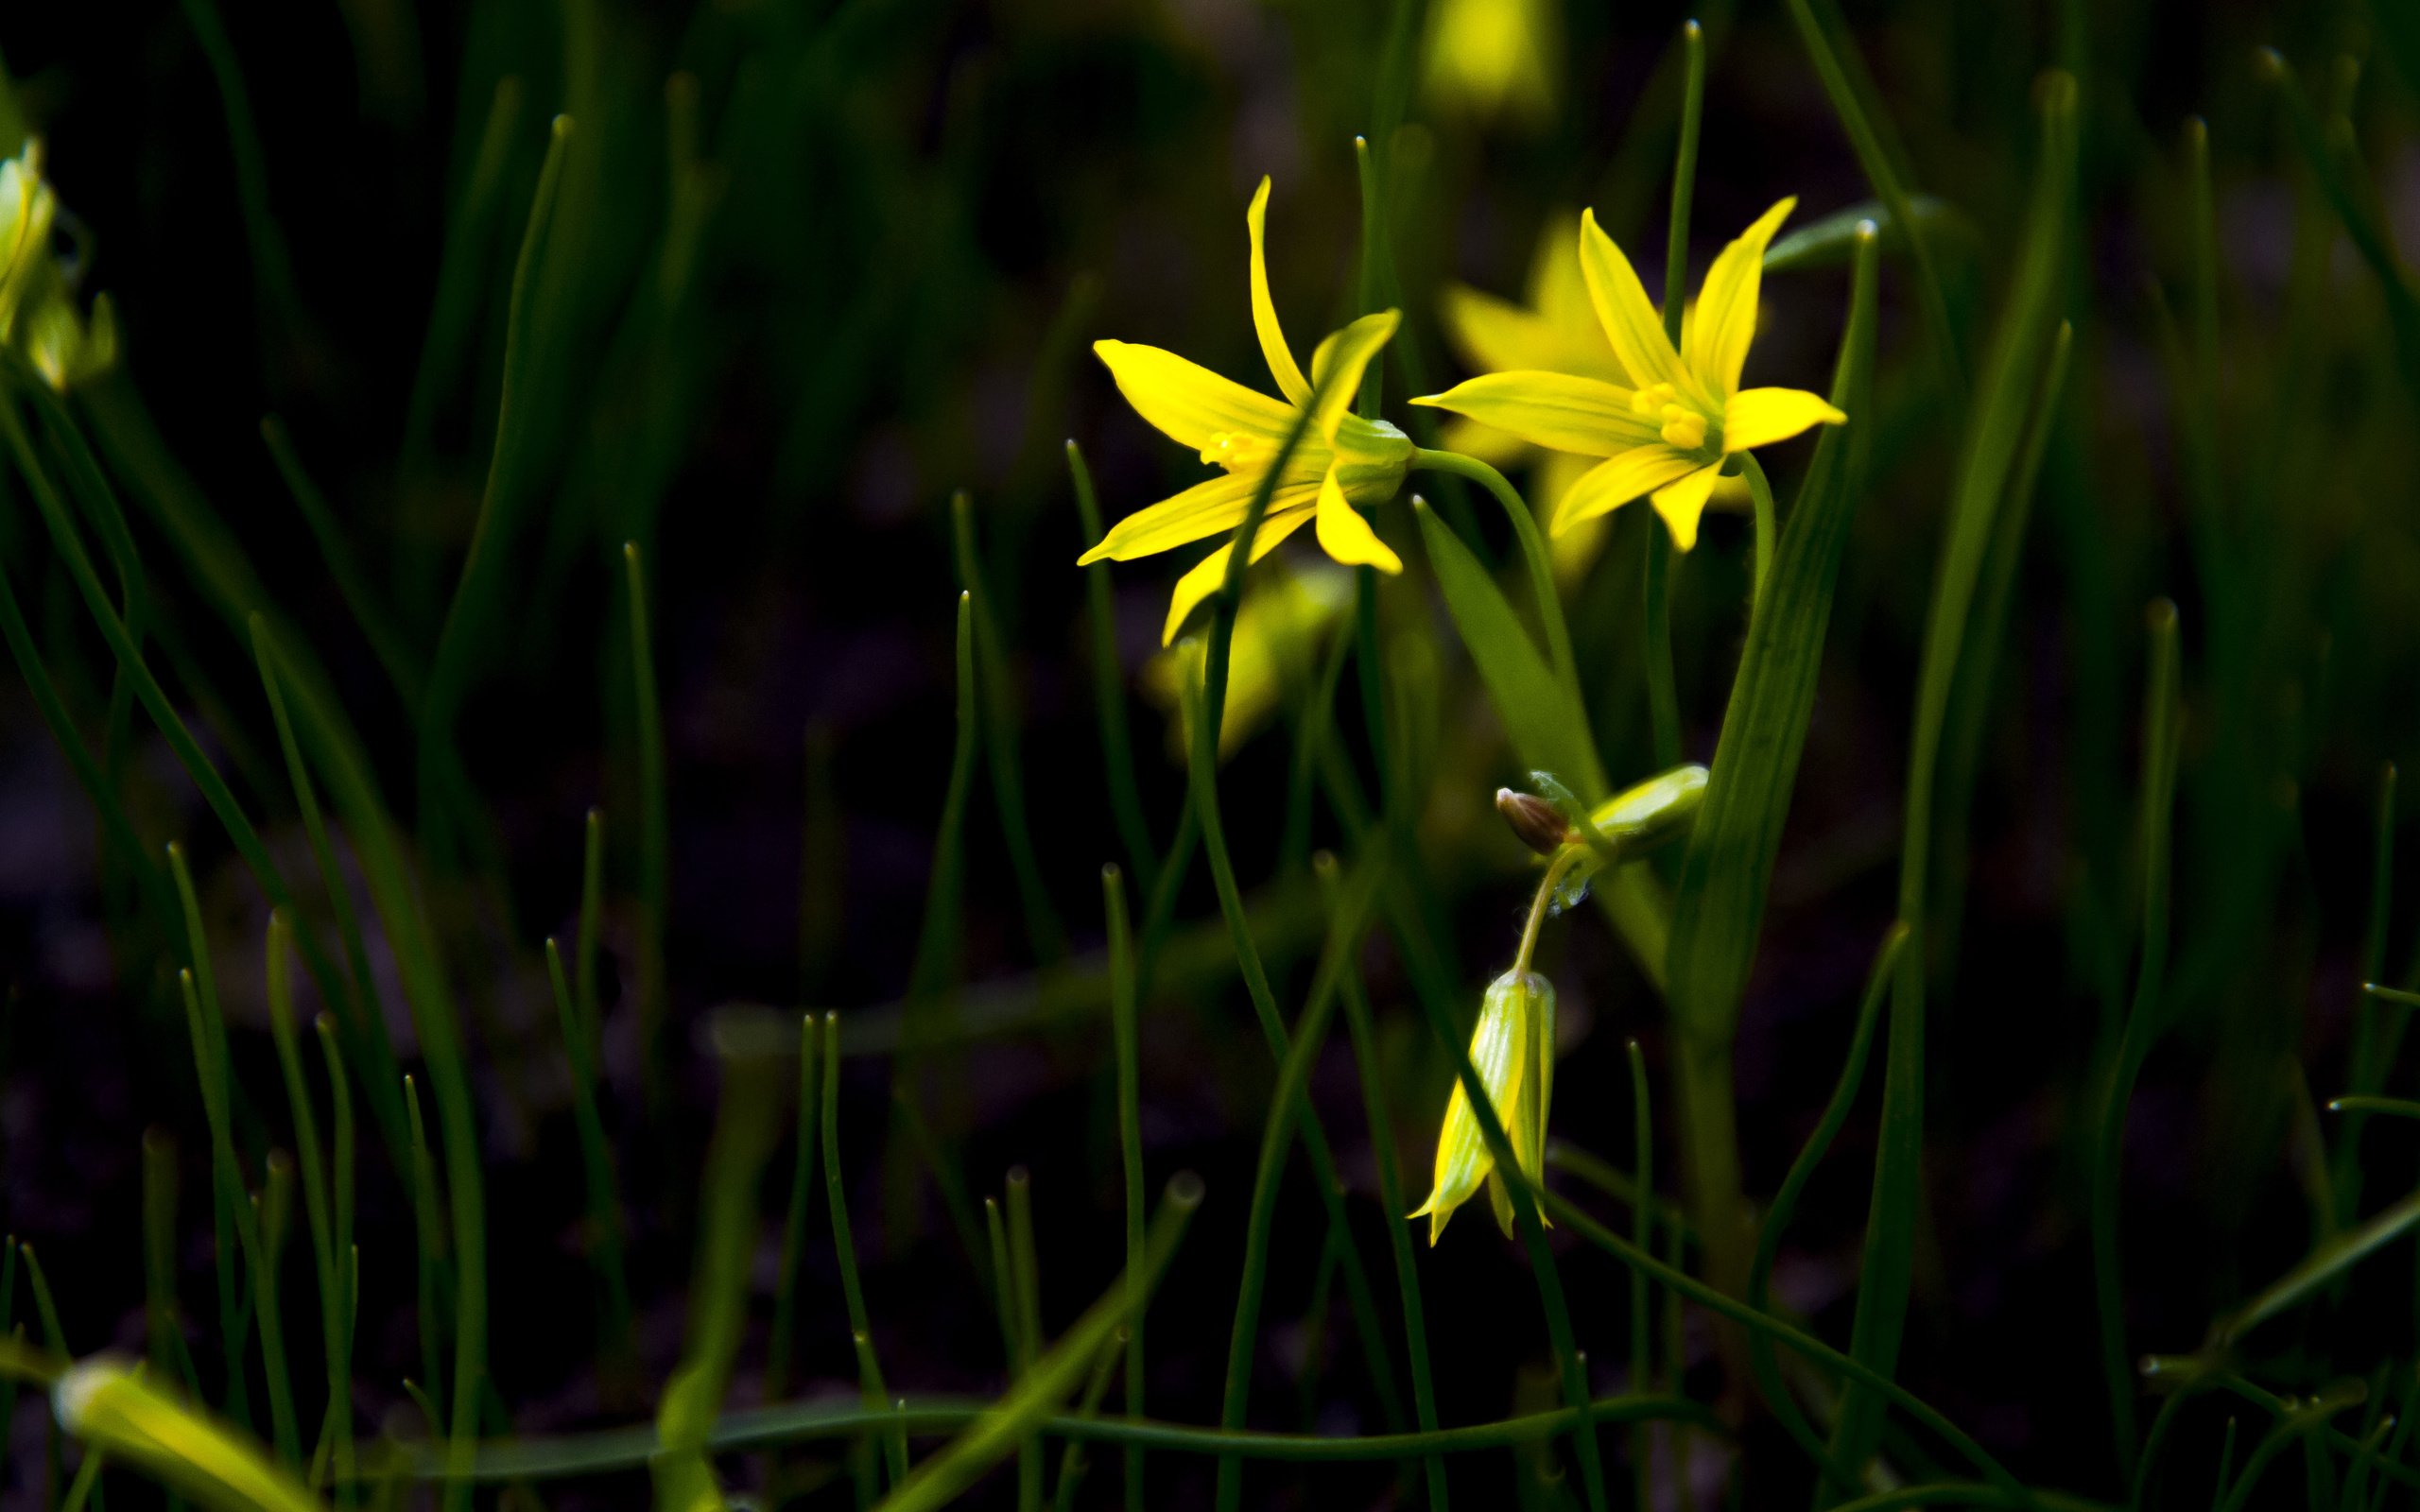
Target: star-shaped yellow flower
pixel 1667 433
pixel 1342 460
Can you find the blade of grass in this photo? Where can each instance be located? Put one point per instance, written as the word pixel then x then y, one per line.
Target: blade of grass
pixel 1785 1206
pixel 428 1274
pixel 271 1216
pixel 1124 1038
pixel 280 307
pixel 747 1125
pixel 341 1167
pixel 1726 865
pixel 1990 450
pixel 1045 934
pixel 620 1365
pixel 1021 1413
pixel 1024 1289
pixel 655 830
pixel 1535 556
pixel 1109 688
pixel 454 306
pixel 822 867
pixel 1663 696
pixel 936 963
pixel 160 1317
pixel 386 637
pixel 2145 1019
pixel 229 1204
pixel 1642 1233
pixel 585 992
pixel 869 1385
pixel 777 1366
pixel 334 1450
pixel 2366 1072
pixel 1071 1460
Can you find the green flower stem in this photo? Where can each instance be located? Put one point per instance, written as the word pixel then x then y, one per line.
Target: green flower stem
pixel 1768 530
pixel 1025 1288
pixel 1533 553
pixel 1364 1027
pixel 1109 690
pixel 625 1448
pixel 1124 1036
pixel 1663 695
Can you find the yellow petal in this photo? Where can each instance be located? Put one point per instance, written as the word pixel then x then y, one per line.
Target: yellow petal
pixel 1204 509
pixel 1345 536
pixel 1206 577
pixel 1718 339
pixel 1500 1055
pixel 1681 503
pixel 1495 335
pixel 1187 402
pixel 1551 409
pixel 1338 366
pixel 1557 290
pixel 1620 479
pixel 1759 417
pixel 1622 307
pixel 1264 309
pixel 1577 549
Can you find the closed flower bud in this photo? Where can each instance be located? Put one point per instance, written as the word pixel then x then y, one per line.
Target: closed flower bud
pixel 1512 1051
pixel 1534 820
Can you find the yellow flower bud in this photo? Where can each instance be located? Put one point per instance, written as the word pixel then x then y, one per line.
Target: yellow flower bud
pixel 1512 1051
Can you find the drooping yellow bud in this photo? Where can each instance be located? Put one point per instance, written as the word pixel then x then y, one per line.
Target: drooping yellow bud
pixel 1512 1051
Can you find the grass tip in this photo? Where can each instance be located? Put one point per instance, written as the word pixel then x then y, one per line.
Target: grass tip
pixel 562 126
pixel 1185 1190
pixel 2160 613
pixel 1110 872
pixel 2270 64
pixel 1692 31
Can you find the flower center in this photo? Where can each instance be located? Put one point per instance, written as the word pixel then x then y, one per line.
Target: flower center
pixel 1235 449
pixel 1684 428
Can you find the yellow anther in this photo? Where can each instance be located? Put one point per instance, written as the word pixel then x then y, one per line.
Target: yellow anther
pixel 1234 450
pixel 1654 400
pixel 1684 430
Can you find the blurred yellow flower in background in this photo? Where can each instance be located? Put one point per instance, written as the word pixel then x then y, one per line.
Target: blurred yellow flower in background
pixel 1491 58
pixel 1342 460
pixel 37 312
pixel 1669 431
pixel 1278 633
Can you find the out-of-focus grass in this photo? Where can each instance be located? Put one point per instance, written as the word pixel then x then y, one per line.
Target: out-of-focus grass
pixel 563 416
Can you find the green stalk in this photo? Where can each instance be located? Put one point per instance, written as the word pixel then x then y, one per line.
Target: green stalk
pixel 1071 1460
pixel 869 1385
pixel 937 942
pixel 1124 1035
pixel 1025 1288
pixel 1004 1290
pixel 2145 1018
pixel 655 829
pixel 531 1459
pixel 596 1167
pixel 1684 178
pixel 159 1255
pixel 1534 555
pixel 208 1032
pixel 821 884
pixel 1043 933
pixel 46 1309
pixel 1371 1075
pixel 1109 688
pixel 777 1368
pixel 1760 493
pixel 335 1450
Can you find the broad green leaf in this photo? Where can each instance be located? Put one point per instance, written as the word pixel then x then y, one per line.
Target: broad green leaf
pixel 1546 727
pixel 1728 863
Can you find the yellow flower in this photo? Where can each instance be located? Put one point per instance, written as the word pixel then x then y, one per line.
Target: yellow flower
pixel 1512 1051
pixel 1342 460
pixel 1668 432
pixel 36 309
pixel 1556 332
pixel 1277 630
pixel 1489 57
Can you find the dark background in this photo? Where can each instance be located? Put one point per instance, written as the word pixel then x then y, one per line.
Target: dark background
pixel 916 216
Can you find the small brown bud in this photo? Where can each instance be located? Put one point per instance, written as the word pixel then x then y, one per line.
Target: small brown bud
pixel 1534 820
